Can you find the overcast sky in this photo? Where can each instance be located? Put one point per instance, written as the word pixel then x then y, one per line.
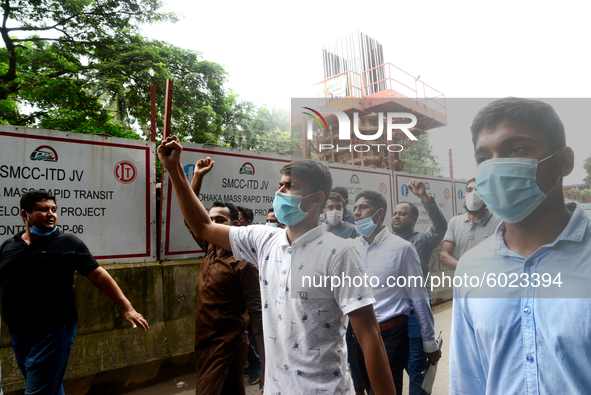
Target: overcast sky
pixel 272 51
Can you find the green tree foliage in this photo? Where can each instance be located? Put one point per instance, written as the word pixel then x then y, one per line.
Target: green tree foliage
pixel 586 193
pixel 84 67
pixel 260 128
pixel 419 158
pixel 587 167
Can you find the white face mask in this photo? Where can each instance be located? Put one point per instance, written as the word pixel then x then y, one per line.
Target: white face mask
pixel 473 201
pixel 334 217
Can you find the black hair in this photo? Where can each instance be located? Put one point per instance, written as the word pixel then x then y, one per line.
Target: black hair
pixel 335 196
pixel 341 191
pixel 271 210
pixel 525 112
pixel 313 173
pixel 473 179
pixel 233 210
pixel 414 211
pixel 31 198
pixel 377 199
pixel 248 214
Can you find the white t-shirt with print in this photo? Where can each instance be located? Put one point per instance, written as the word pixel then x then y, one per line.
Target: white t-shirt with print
pixel 304 325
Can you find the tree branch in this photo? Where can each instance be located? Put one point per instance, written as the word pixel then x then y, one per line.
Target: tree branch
pixel 20 40
pixel 11 72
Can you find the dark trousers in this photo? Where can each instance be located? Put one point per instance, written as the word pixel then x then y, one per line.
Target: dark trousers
pixel 234 383
pixel 396 344
pixel 417 361
pixel 43 360
pixel 253 358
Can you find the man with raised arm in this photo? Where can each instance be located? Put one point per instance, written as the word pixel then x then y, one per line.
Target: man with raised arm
pixel 229 296
pixel 304 327
pixel 404 219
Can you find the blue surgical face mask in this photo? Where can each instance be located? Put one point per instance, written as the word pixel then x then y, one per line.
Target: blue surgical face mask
pixel 366 226
pixel 39 232
pixel 272 224
pixel 287 208
pixel 508 187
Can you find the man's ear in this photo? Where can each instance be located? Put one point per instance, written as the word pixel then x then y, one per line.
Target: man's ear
pixel 566 163
pixel 382 216
pixel 235 223
pixel 318 198
pixel 414 220
pixel 24 215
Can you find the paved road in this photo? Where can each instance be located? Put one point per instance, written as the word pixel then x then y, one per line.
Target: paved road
pixel 442 315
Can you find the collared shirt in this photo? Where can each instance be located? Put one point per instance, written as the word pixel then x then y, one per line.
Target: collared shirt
pixel 527 339
pixel 304 326
pixel 343 230
pixel 349 217
pixel 229 296
pixel 466 234
pixel 394 261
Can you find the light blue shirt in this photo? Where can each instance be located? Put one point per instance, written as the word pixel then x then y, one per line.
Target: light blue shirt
pixel 395 263
pixel 526 339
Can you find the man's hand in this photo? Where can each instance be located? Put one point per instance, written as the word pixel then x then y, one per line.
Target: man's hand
pixel 203 166
pixel 101 279
pixel 418 188
pixel 434 356
pixel 169 152
pixel 135 319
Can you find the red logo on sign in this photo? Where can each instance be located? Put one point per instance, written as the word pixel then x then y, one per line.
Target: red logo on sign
pixel 446 193
pixel 383 188
pixel 125 172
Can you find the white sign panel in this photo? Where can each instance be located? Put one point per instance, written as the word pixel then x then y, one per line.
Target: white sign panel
pixel 103 188
pixel 356 179
pixel 439 188
pixel 241 177
pixel 249 179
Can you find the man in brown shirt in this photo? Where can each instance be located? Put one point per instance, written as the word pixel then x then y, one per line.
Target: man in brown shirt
pixel 229 294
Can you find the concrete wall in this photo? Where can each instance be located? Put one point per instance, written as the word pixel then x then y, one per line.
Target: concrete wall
pixel 108 356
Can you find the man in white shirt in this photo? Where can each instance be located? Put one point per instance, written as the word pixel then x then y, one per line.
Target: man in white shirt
pixel 395 263
pixel 304 327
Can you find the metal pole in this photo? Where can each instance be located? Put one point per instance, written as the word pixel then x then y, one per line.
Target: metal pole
pixel 167 108
pixel 306 151
pixel 451 165
pixel 153 113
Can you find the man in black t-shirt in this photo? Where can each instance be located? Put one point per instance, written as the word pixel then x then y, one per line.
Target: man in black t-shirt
pixel 37 275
